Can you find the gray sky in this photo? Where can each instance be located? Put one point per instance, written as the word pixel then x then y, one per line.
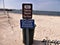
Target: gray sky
pixel 42 5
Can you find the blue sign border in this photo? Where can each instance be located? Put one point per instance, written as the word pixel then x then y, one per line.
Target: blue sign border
pixel 27 23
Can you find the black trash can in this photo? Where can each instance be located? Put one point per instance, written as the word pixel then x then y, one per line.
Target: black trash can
pixel 31 35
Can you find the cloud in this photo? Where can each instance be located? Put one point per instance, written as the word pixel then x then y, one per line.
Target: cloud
pixel 11 4
pixel 1 4
pixel 51 5
pixel 47 5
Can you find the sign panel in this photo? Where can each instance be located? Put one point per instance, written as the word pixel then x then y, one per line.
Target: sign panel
pixel 27 11
pixel 27 23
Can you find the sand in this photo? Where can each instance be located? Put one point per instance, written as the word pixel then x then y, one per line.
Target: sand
pixel 47 27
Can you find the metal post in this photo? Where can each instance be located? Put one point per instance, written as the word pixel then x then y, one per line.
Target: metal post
pixel 4 6
pixel 27 36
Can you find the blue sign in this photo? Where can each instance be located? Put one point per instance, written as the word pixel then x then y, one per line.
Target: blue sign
pixel 27 23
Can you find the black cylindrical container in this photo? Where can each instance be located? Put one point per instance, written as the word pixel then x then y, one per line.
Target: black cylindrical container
pixel 31 35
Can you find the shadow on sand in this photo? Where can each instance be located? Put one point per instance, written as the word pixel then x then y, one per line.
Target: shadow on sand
pixel 37 42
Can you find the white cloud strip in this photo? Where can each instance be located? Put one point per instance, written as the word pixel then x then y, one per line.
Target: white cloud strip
pixel 49 5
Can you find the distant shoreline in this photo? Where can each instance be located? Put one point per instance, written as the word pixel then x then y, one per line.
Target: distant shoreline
pixel 49 13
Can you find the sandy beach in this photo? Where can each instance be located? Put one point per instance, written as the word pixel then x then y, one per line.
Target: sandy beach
pixel 47 27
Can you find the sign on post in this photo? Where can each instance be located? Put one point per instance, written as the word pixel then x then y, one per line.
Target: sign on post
pixel 27 23
pixel 27 11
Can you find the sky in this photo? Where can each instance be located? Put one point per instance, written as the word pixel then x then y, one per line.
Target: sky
pixel 41 5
